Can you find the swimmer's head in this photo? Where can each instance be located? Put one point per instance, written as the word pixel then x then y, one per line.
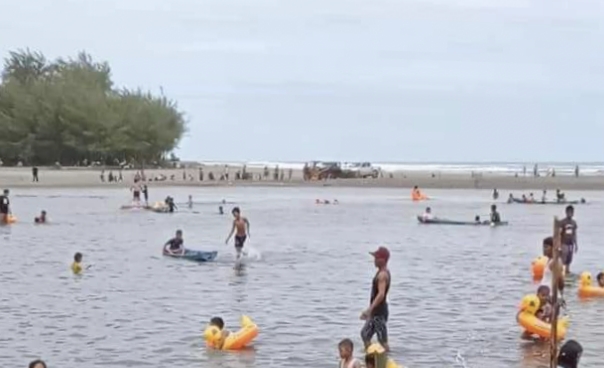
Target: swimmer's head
pixel 217 322
pixel 5 191
pixel 236 212
pixel 428 210
pixel 37 364
pixel 543 293
pixel 600 279
pixel 493 207
pixel 346 348
pixel 179 234
pixel 77 257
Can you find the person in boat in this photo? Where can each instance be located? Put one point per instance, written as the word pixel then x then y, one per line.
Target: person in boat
pixel 4 207
pixel 495 194
pixel 477 219
pixel 41 219
pixel 347 359
pixel 175 246
pixel 495 216
pixel 531 198
pixel 524 199
pixel 568 228
pixel 544 196
pixel 136 192
pixel 548 271
pixel 570 354
pixel 545 309
pixel 146 194
pixel 511 198
pixel 600 279
pixel 428 214
pixel 241 229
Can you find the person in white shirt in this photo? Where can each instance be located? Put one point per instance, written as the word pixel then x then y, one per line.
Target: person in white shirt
pixel 428 214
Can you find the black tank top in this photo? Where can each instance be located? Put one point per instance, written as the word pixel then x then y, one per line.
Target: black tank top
pixel 382 308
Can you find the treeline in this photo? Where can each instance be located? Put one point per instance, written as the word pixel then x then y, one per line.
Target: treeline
pixel 69 111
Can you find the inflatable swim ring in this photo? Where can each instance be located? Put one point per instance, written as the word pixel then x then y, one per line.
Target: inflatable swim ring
pixel 586 289
pixel 538 267
pixel 527 319
pixel 417 195
pixel 10 219
pixel 380 353
pixel 235 340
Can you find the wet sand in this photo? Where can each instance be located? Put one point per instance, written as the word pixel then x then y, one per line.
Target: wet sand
pixel 90 178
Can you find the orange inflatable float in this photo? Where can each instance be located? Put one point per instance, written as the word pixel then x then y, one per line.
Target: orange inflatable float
pixel 528 320
pixel 235 340
pixel 587 290
pixel 538 267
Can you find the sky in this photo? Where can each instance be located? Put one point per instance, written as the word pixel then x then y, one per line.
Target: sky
pixel 370 80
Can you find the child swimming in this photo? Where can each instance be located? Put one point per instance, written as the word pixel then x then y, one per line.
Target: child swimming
pixel 76 266
pixel 218 322
pixel 347 359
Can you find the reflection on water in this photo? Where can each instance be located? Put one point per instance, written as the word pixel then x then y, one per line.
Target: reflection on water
pixel 453 297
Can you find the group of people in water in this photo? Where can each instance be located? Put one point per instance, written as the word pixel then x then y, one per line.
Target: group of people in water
pixel 494 216
pixel 6 213
pixel 560 197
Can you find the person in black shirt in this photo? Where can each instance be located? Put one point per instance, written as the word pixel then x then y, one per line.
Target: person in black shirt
pixel 175 245
pixel 568 237
pixel 376 316
pixel 34 174
pixel 4 207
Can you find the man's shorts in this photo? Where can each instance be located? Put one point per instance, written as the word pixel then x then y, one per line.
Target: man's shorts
pixel 375 325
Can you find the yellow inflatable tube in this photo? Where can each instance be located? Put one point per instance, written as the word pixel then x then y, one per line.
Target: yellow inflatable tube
pixel 586 289
pixel 538 267
pixel 380 353
pixel 9 219
pixel 235 340
pixel 529 321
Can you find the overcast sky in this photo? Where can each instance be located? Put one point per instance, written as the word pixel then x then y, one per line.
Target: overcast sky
pixel 379 80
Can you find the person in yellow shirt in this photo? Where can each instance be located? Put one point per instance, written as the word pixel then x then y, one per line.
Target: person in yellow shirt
pixel 76 266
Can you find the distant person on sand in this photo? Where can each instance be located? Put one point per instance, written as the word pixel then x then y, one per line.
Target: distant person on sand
pixel 376 316
pixel 34 174
pixel 568 228
pixel 241 229
pixel 41 219
pixel 577 171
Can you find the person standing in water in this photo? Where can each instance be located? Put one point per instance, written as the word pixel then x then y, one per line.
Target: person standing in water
pixel 190 202
pixel 4 207
pixel 136 192
pixel 376 316
pixel 495 216
pixel 146 194
pixel 568 236
pixel 241 229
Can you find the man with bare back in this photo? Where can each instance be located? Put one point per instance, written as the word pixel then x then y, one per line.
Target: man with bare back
pixel 241 229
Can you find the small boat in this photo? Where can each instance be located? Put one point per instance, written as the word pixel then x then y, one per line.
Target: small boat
pixel 521 201
pixel 194 255
pixel 438 221
pixel 134 207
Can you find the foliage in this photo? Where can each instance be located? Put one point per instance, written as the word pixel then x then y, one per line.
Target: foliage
pixel 68 111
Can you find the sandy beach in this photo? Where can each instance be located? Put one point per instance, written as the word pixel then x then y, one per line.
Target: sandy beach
pixel 21 177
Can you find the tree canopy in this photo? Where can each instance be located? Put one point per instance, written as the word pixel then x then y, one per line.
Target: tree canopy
pixel 68 111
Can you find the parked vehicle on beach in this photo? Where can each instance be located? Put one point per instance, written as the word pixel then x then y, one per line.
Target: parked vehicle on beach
pixel 360 170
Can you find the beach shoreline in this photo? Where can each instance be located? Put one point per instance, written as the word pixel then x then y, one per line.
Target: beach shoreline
pixel 77 177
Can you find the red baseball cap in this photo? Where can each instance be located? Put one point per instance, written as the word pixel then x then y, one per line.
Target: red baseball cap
pixel 382 253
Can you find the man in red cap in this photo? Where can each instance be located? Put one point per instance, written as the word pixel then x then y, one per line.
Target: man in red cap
pixel 376 316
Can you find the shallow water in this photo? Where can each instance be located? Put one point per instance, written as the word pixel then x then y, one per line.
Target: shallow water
pixel 453 298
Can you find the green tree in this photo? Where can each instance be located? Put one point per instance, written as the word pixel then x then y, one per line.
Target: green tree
pixel 68 110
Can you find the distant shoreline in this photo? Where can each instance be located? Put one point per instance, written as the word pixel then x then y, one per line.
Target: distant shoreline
pixel 90 178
